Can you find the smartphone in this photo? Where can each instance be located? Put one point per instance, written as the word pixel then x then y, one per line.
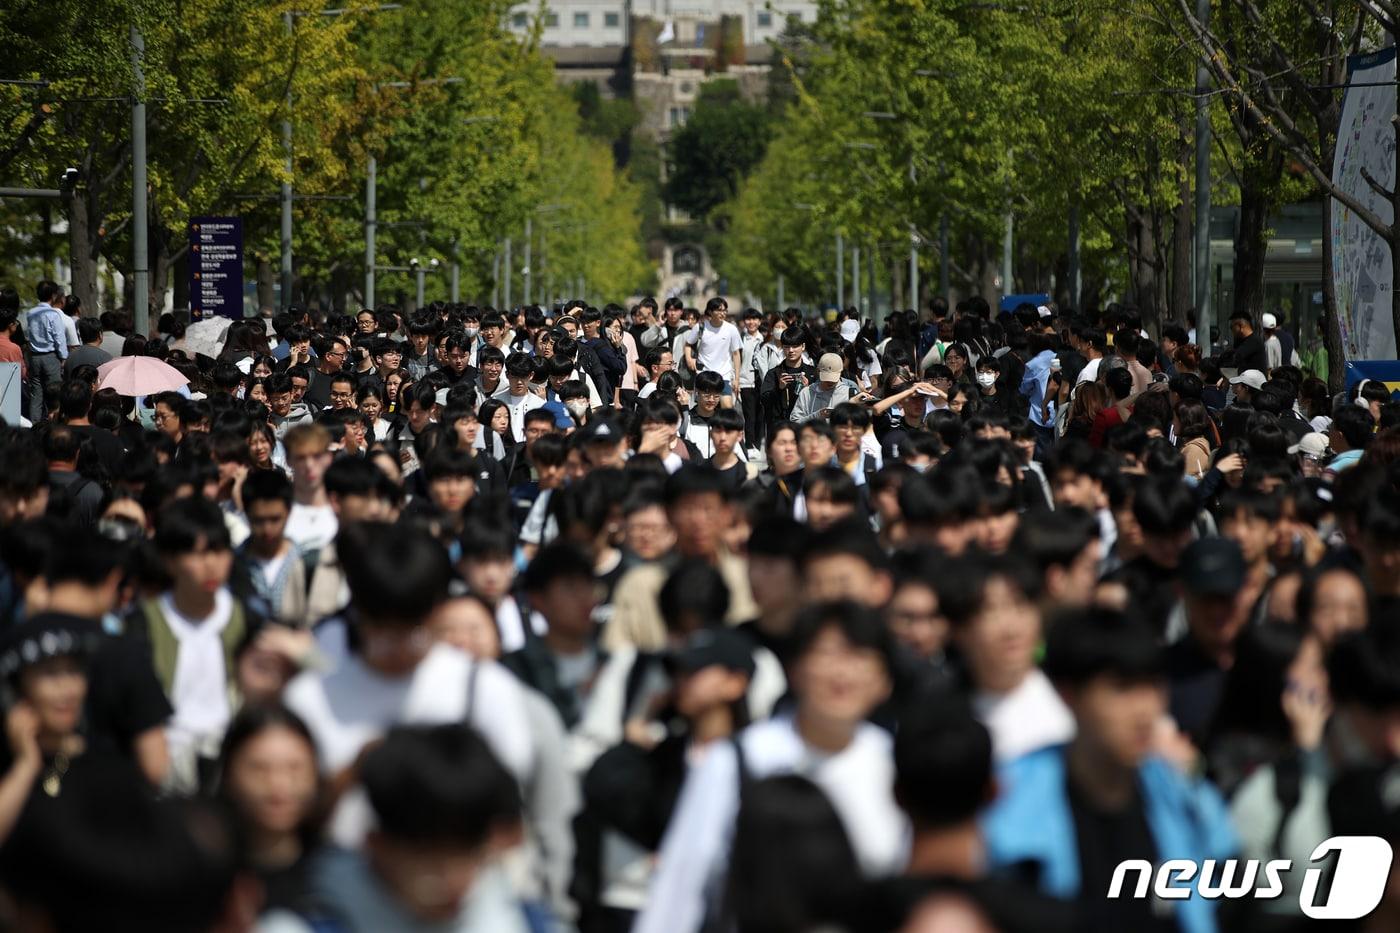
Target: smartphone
pixel 1055 365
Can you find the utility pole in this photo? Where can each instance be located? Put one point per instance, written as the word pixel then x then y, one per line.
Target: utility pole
pixel 1074 277
pixel 840 269
pixel 782 299
pixel 140 275
pixel 371 227
pixel 509 274
pixel 287 186
pixel 913 250
pixel 855 278
pixel 526 272
pixel 1202 263
pixel 945 283
pixel 1006 249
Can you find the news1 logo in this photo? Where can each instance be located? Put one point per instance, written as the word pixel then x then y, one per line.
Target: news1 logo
pixel 1360 868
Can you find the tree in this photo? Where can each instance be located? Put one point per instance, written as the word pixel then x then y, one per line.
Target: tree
pixel 723 140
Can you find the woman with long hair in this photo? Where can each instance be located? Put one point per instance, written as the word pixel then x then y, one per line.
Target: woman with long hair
pixel 269 778
pixel 1090 398
pixel 1192 425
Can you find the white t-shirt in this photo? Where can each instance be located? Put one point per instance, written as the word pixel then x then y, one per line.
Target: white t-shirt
pixel 1031 716
pixel 352 705
pixel 715 347
pixel 518 408
pixel 70 329
pixel 1090 372
pixel 859 781
pixel 199 687
pixel 312 527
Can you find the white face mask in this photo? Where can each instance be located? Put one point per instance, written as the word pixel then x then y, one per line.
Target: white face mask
pixel 472 332
pixel 986 380
pixel 576 407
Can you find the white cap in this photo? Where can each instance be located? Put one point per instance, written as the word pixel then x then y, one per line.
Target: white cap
pixel 1312 444
pixel 1250 377
pixel 1044 311
pixel 850 330
pixel 1269 322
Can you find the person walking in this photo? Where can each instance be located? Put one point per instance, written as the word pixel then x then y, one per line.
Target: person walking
pixel 48 345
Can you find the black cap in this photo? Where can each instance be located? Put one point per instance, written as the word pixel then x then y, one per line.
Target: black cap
pixel 601 430
pixel 1213 567
pixel 711 647
pixel 45 636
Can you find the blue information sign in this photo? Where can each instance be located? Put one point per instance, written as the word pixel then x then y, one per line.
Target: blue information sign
pixel 216 267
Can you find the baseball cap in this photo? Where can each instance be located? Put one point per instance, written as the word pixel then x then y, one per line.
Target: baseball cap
pixel 1269 322
pixel 1250 377
pixel 1312 444
pixel 1044 311
pixel 716 647
pixel 829 367
pixel 600 431
pixel 850 330
pixel 1213 567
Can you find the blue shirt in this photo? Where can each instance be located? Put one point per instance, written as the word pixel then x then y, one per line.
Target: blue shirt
pixel 1033 387
pixel 45 330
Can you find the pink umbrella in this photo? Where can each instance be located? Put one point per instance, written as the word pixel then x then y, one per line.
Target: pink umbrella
pixel 139 375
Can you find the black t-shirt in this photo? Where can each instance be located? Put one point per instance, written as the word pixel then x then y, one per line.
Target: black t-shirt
pixel 1106 838
pixel 318 390
pixel 1196 684
pixel 735 476
pixel 106 445
pixel 1250 354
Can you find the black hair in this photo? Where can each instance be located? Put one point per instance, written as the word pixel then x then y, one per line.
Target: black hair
pixel 949 495
pixel 1054 539
pixel 1086 643
pixel 1119 382
pixel 695 592
pixel 709 381
pixel 962 584
pixel 80 555
pixel 1355 425
pixel 792 866
pixel 1364 667
pixel 396 573
pixel 779 536
pixel 352 476
pixel 549 450
pixel 559 560
pixel 438 785
pixel 693 480
pixel 727 419
pixel 943 764
pixel 862 626
pixel 267 486
pixel 445 461
pixel 850 413
pixel 1164 506
pixel 818 426
pixel 183 523
pixel 851 537
pixel 839 485
pixel 487 538
pixel 1250 701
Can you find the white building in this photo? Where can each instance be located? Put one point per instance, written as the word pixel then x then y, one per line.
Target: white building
pixel 604 22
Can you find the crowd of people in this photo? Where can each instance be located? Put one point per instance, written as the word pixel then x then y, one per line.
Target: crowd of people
pixel 647 619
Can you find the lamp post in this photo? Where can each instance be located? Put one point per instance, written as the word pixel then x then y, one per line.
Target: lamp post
pixel 140 274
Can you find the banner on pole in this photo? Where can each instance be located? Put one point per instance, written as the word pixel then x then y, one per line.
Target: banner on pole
pixel 216 267
pixel 1361 260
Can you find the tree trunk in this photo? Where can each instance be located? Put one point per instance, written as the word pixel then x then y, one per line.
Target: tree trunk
pixel 897 284
pixel 180 279
pixel 81 255
pixel 1181 292
pixel 1332 326
pixel 1251 245
pixel 266 296
pixel 160 279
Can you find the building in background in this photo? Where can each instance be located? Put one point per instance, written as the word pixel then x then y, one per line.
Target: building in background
pixel 659 53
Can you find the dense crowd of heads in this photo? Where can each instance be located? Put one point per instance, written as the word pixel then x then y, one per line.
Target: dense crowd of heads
pixel 646 618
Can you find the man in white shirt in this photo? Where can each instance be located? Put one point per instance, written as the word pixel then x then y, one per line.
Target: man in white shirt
pixel 397 673
pixel 517 395
pixel 840 666
pixel 715 345
pixel 996 626
pixel 1094 344
pixel 312 524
